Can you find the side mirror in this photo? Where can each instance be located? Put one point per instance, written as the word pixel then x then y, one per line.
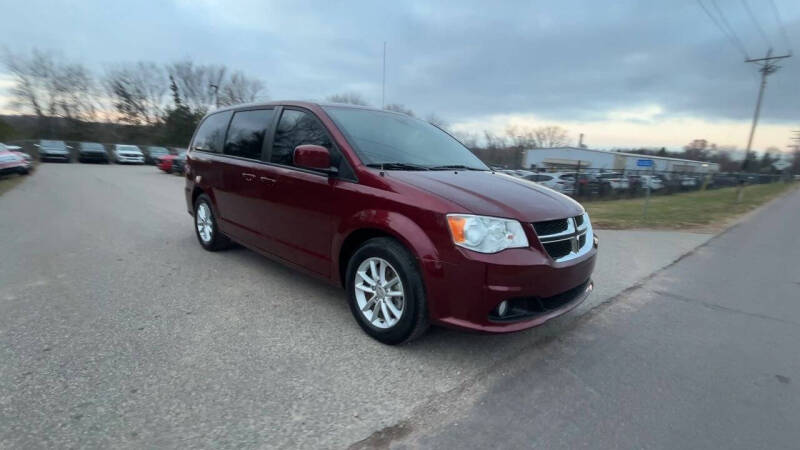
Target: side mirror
pixel 314 157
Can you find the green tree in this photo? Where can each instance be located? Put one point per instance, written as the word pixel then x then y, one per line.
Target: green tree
pixel 6 131
pixel 180 121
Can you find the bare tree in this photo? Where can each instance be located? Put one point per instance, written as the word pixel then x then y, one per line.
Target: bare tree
pixel 524 137
pixel 239 89
pixel 198 85
pixel 46 86
pixel 469 139
pixel 137 92
pixel 539 137
pixel 494 141
pixel 396 107
pixel 434 119
pixel 352 98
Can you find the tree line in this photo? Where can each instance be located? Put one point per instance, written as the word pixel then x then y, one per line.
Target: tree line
pixel 142 102
pixel 148 103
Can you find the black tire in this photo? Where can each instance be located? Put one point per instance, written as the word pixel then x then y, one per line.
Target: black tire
pixel 414 319
pixel 218 241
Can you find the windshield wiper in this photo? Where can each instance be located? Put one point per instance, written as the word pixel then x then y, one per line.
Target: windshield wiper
pixel 455 166
pixel 396 166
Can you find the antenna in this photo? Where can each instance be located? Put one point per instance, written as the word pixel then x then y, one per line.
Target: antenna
pixel 383 84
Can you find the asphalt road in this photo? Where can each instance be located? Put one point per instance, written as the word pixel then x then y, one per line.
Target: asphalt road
pixel 118 330
pixel 703 355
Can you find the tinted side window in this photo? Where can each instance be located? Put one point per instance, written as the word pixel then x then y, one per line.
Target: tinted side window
pixel 211 133
pixel 246 133
pixel 298 128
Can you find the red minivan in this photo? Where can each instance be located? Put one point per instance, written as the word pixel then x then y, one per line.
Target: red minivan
pixel 415 227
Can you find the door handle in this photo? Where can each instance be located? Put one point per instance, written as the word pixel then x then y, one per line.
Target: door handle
pixel 267 180
pixel 249 176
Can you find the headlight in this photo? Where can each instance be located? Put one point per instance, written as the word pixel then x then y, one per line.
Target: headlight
pixel 486 234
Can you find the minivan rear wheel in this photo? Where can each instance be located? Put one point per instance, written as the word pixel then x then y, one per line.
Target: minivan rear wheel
pixel 386 292
pixel 205 226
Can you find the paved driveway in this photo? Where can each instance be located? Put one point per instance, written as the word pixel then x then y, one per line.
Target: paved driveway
pixel 117 329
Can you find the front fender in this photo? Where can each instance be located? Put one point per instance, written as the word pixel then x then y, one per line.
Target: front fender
pixel 397 225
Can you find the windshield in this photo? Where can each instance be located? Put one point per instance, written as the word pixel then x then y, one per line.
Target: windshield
pixel 91 146
pixel 390 138
pixel 159 150
pixel 53 144
pixel 128 148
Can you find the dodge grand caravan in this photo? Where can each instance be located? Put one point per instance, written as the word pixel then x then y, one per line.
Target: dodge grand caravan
pixel 415 227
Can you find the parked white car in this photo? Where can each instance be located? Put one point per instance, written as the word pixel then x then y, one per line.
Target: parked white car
pixel 689 182
pixel 563 182
pixel 617 181
pixel 653 182
pixel 128 154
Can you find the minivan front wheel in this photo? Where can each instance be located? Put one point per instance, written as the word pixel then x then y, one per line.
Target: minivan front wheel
pixel 386 292
pixel 206 226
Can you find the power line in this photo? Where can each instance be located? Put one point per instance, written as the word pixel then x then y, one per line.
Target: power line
pixel 780 26
pixel 722 29
pixel 729 27
pixel 755 22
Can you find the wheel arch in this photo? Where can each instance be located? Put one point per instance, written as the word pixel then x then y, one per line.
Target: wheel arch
pixel 380 224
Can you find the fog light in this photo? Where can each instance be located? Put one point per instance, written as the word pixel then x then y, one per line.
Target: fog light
pixel 502 308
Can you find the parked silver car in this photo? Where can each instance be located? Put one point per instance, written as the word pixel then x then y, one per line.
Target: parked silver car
pixel 54 150
pixel 563 182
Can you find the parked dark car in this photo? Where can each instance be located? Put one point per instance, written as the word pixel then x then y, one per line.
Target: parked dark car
pixel 54 151
pixel 153 153
pixel 92 152
pixel 414 226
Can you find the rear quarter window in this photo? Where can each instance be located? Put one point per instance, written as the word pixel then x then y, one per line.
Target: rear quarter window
pixel 210 136
pixel 246 133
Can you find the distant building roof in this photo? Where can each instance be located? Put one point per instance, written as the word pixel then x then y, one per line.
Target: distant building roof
pixel 635 155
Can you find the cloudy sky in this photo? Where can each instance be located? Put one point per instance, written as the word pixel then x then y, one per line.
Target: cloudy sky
pixel 625 73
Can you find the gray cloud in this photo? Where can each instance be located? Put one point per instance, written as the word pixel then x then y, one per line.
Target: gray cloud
pixel 560 60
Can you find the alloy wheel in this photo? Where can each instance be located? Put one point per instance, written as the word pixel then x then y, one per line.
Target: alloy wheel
pixel 379 293
pixel 205 226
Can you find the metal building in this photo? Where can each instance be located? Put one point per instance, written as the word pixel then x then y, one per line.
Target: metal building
pixel 571 158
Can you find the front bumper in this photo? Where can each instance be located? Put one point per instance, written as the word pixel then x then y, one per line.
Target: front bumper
pixel 13 169
pixel 465 294
pixel 93 157
pixel 52 156
pixel 131 159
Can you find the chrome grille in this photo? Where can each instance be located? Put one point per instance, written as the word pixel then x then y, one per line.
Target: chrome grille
pixel 565 239
pixel 550 227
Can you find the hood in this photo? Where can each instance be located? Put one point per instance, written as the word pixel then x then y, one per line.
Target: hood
pixel 92 150
pixel 58 150
pixel 493 194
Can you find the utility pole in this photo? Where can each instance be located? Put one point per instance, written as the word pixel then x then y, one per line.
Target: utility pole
pixel 767 68
pixel 215 87
pixel 383 83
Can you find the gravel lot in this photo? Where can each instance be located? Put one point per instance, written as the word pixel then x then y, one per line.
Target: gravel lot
pixel 117 329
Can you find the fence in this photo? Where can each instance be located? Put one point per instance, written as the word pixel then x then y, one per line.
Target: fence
pixel 590 183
